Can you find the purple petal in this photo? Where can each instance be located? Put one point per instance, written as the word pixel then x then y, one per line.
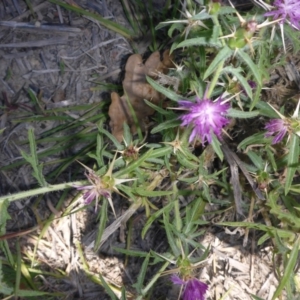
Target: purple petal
pixel 277 128
pixel 194 290
pixel 177 280
pixel 89 196
pixel 83 187
pixel 106 194
pixel 286 10
pixel 205 117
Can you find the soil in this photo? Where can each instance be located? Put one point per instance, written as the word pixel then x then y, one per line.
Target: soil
pixel 44 68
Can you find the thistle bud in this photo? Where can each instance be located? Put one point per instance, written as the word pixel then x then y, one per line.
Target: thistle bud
pixel 238 40
pixel 243 35
pixel 213 7
pixel 263 179
pixel 251 26
pixel 130 154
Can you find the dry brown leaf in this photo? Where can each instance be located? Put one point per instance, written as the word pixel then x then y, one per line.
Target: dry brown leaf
pixel 136 89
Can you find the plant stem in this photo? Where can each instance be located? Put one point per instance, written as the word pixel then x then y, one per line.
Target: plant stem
pixel 214 79
pixel 42 190
pixel 220 67
pixel 154 279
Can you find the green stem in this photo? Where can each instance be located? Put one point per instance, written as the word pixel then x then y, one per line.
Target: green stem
pixel 42 190
pixel 200 210
pixel 153 280
pixel 220 67
pixel 214 80
pixel 177 216
pixel 178 220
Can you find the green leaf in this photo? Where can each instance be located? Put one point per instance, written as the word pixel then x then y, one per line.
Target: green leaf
pixel 166 125
pixel 127 136
pixel 201 16
pixel 107 23
pixel 163 151
pixel 29 293
pixel 256 159
pixel 257 138
pixel 27 276
pixel 154 216
pixel 153 280
pixel 131 252
pixel 146 193
pixel 107 288
pixel 216 146
pixel 271 158
pixel 159 109
pixel 99 150
pixel 174 27
pixel 33 159
pixel 167 92
pixel 237 73
pixel 117 144
pixel 288 270
pixel 257 96
pixel 185 162
pixel 39 191
pixel 286 215
pixel 102 225
pixel 200 41
pixel 266 110
pixel 134 165
pixel 269 229
pixel 142 274
pixel 170 235
pixel 4 288
pixel 34 99
pixel 193 214
pixel 236 113
pixel 123 297
pixel 202 59
pixel 221 57
pixel 224 10
pixel 129 16
pixel 18 268
pixel 293 159
pixel 4 216
pixel 252 66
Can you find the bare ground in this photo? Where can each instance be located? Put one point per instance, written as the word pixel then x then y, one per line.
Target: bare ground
pixel 59 65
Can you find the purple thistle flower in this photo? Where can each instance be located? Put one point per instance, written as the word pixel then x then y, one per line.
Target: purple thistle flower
pixel 286 10
pixel 194 289
pixel 252 84
pixel 205 116
pixel 95 190
pixel 277 127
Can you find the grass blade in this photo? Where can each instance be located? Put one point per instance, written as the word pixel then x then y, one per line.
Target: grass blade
pixel 107 23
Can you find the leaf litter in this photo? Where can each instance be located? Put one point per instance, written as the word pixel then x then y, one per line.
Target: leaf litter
pixel 32 57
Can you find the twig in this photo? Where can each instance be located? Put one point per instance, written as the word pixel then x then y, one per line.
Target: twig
pixel 41 26
pixel 234 163
pixel 41 43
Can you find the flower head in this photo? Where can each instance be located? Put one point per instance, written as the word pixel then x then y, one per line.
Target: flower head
pixel 101 186
pixel 286 10
pixel 252 84
pixel 278 128
pixel 96 188
pixel 205 116
pixel 194 289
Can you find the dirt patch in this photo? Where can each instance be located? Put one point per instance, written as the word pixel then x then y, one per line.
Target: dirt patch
pixel 51 63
